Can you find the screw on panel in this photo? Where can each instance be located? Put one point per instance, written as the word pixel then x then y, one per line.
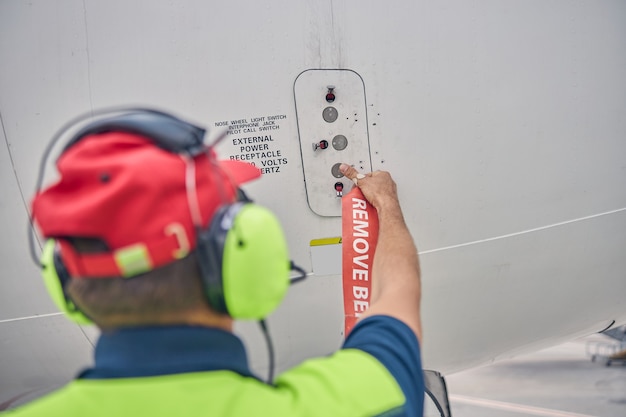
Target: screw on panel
pixel 330 114
pixel 335 170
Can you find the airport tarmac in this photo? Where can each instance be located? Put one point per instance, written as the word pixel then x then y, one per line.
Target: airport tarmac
pixel 561 381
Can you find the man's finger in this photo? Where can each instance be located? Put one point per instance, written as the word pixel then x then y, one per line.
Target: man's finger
pixel 351 173
pixel 348 171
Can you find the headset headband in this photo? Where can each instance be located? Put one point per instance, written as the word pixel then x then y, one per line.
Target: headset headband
pixel 175 137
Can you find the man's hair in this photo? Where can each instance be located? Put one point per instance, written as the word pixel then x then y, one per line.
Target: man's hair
pixel 150 298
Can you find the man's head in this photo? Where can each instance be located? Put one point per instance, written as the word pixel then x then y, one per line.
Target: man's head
pixel 132 215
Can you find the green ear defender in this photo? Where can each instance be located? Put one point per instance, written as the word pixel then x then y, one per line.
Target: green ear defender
pixel 55 276
pixel 255 264
pixel 244 261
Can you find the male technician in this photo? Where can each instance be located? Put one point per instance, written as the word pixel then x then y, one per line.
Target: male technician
pixel 164 350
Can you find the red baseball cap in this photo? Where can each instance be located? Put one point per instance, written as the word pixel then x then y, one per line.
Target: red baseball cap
pixel 122 189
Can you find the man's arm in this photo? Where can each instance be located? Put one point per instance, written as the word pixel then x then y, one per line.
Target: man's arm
pixel 396 285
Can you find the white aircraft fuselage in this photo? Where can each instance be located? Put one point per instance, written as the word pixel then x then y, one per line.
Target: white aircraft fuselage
pixel 503 124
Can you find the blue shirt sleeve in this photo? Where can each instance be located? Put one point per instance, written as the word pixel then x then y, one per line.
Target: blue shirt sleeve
pixel 394 345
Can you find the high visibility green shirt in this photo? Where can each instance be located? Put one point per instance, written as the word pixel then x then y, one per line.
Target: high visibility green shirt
pixel 194 371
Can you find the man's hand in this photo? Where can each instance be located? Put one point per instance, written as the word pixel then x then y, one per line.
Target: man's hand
pixel 378 187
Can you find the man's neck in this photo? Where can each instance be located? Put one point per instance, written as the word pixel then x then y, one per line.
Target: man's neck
pixel 204 318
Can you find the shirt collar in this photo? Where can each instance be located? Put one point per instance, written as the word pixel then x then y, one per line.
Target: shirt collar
pixel 152 351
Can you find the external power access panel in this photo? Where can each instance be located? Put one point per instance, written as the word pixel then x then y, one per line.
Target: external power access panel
pixel 332 125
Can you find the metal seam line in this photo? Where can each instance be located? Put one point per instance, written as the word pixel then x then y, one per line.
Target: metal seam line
pixel 536 229
pixel 516 408
pixel 31 317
